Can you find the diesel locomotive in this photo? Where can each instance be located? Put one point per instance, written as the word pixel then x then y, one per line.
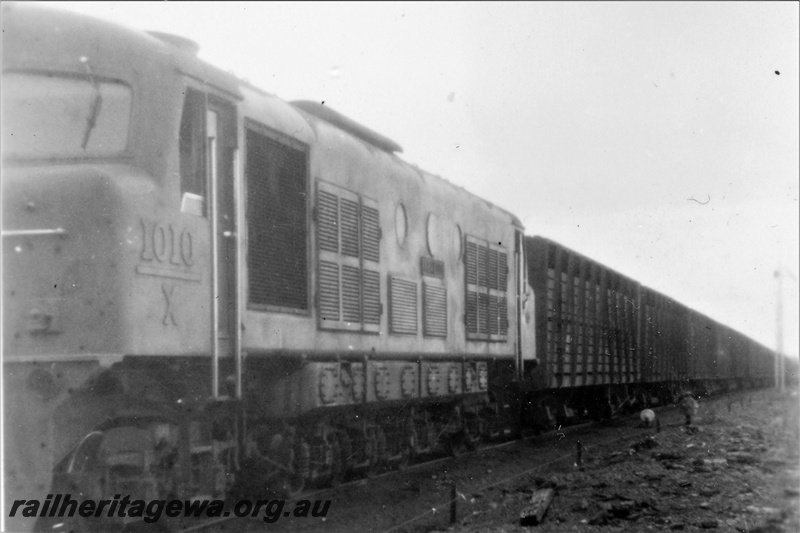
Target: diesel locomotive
pixel 207 288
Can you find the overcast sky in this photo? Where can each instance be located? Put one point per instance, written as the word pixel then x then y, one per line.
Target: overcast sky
pixel 660 139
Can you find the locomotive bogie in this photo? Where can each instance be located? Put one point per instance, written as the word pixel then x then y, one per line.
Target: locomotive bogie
pixel 31 448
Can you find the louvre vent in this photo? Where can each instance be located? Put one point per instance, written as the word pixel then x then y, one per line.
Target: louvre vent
pixel 433 268
pixel 491 269
pixel 483 278
pixel 349 227
pixel 372 297
pixel 370 234
pixel 487 279
pixel 493 322
pixel 351 297
pixel 483 313
pixel 328 222
pixel 472 312
pixel 502 313
pixel 276 224
pixel 502 271
pixel 402 306
pixel 329 291
pixel 348 244
pixel 472 263
pixel 434 299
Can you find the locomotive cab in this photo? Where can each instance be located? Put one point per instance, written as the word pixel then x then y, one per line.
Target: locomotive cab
pixel 99 142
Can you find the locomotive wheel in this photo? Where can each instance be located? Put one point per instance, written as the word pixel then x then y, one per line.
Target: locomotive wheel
pixel 471 441
pixel 336 478
pixel 255 477
pixel 290 485
pixel 455 444
pixel 339 466
pixel 374 468
pixel 472 431
pixel 405 458
pixel 378 459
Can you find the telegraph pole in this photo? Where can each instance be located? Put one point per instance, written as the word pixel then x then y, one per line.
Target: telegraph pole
pixel 779 371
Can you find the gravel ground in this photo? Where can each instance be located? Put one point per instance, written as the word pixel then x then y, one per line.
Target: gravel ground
pixel 735 469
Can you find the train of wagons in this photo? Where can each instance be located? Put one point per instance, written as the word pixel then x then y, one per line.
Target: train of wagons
pixel 207 288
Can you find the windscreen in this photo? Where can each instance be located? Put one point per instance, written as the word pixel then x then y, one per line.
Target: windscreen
pixel 48 116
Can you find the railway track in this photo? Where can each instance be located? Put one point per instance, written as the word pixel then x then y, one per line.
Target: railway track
pixel 591 434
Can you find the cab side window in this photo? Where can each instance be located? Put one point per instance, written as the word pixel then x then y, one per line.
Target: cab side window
pixel 193 154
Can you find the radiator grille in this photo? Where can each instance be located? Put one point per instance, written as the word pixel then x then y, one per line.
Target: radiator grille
pixel 276 223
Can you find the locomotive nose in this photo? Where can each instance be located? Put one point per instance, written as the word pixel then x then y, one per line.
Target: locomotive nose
pixel 60 244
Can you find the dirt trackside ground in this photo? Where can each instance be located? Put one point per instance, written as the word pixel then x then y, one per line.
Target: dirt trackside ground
pixel 733 470
pixel 730 471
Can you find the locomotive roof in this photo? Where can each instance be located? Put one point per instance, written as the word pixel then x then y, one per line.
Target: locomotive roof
pixel 349 125
pixel 76 36
pixel 32 32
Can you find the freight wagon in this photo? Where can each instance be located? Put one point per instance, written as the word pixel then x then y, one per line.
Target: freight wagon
pixel 602 341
